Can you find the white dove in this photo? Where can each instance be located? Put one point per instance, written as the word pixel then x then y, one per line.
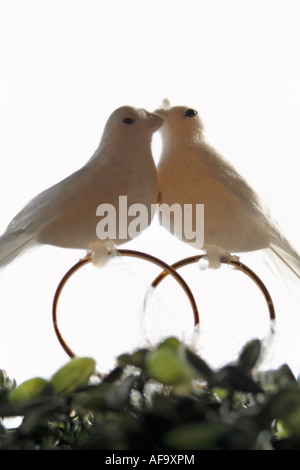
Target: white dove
pixel 192 172
pixel 65 214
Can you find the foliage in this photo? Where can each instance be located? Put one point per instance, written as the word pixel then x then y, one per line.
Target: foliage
pixel 165 398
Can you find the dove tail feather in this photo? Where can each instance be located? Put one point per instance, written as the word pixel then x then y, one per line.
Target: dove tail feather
pixel 288 259
pixel 12 244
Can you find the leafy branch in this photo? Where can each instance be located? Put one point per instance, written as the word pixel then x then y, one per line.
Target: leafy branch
pixel 155 399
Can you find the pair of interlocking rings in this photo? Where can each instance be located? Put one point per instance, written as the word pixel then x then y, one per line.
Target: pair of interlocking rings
pixel 166 270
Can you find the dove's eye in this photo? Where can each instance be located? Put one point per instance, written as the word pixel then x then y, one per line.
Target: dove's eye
pixel 190 113
pixel 128 120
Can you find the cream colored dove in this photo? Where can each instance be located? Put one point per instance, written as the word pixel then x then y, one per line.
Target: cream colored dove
pixel 65 215
pixel 191 172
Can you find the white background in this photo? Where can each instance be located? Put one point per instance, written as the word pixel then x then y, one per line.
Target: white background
pixel 64 67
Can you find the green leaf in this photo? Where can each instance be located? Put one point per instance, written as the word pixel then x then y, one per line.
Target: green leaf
pixel 167 364
pixel 73 375
pixel 6 383
pixel 249 355
pixel 27 391
pixel 233 378
pixel 170 342
pixel 136 359
pixel 194 436
pixel 285 407
pixel 286 378
pixel 199 364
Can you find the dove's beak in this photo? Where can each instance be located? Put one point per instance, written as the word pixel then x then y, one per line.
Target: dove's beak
pixel 161 111
pixel 155 121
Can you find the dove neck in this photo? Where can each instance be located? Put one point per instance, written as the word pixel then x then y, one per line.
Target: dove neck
pixel 176 140
pixel 116 145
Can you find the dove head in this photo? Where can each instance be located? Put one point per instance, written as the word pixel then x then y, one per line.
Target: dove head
pixel 128 124
pixel 180 123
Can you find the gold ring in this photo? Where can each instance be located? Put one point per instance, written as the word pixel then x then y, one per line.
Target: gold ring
pixel 136 254
pixel 242 267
